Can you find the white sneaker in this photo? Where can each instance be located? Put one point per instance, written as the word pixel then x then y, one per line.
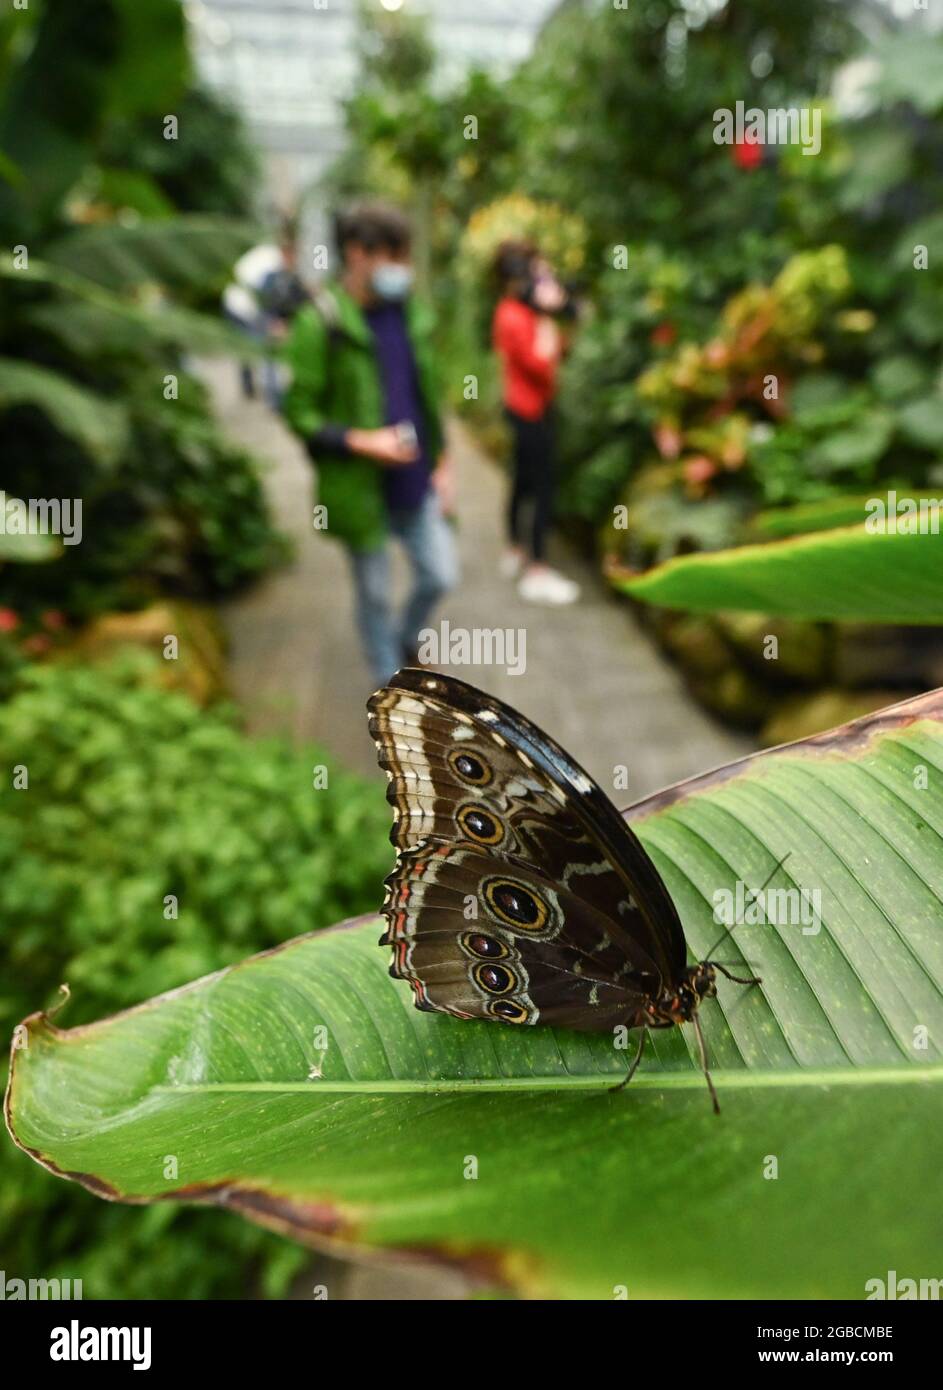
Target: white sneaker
pixel 512 562
pixel 541 584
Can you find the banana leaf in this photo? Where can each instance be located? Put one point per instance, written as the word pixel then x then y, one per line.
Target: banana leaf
pixel 845 574
pixel 302 1090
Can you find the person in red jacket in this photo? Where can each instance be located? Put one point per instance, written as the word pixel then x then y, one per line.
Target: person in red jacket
pixel 527 340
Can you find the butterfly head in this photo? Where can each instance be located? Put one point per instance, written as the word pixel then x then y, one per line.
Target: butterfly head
pixel 702 981
pixel 681 1004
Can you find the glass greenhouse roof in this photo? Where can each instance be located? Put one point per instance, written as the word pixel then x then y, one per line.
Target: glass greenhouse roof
pixel 288 64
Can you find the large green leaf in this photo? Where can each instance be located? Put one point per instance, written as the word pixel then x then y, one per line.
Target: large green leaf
pixel 88 318
pixel 188 251
pixel 128 328
pixel 833 1068
pixel 847 573
pixel 775 523
pixel 100 426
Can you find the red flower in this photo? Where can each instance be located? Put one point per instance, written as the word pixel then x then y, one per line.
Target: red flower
pixel 36 645
pixel 663 334
pixel 52 620
pixel 9 621
pixel 747 154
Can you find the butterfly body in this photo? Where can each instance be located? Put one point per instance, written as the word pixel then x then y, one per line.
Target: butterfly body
pixel 680 1005
pixel 519 893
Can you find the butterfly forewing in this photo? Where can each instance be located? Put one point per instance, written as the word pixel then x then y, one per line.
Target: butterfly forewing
pixel 482 798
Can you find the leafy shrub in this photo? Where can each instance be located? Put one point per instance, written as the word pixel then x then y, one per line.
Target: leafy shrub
pixel 210 167
pixel 182 510
pixel 135 794
pixel 700 416
pixel 561 235
pixel 639 313
pixel 97 317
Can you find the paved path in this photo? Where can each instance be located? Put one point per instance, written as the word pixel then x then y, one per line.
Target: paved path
pixel 593 680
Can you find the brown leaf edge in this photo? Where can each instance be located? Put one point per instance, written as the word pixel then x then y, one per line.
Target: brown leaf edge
pixel 845 739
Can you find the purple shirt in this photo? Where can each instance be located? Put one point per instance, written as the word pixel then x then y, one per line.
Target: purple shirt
pixel 405 485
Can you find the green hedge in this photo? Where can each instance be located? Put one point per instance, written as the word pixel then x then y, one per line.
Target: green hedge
pixel 135 794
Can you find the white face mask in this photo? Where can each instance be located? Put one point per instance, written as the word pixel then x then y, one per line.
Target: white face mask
pixel 392 280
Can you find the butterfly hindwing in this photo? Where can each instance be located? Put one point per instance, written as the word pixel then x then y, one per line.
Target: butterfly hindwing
pixel 476 788
pixel 482 937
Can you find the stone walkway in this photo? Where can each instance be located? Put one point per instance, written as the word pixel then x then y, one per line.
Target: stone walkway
pixel 593 680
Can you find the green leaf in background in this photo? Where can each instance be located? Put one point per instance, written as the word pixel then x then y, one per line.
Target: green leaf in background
pixel 9 171
pixel 879 157
pixel 74 66
pixel 132 191
pixel 85 317
pixel 113 328
pixel 906 70
pixel 900 377
pixel 26 549
pixel 921 422
pixel 777 522
pixel 847 573
pixel 302 1089
pixel 187 251
pixel 100 426
pixel 857 446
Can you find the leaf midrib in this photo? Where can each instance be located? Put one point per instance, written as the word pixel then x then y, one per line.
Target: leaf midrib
pixel 730 1080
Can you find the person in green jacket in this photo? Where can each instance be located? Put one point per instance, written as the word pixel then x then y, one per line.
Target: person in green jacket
pixel 364 398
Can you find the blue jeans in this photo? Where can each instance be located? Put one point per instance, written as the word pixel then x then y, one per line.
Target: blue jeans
pixel 259 331
pixel 430 544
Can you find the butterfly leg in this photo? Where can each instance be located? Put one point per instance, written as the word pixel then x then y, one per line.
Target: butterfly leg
pixel 737 979
pixel 621 1085
pixel 702 1050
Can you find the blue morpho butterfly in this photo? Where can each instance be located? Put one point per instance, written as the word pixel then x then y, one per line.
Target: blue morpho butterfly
pixel 519 893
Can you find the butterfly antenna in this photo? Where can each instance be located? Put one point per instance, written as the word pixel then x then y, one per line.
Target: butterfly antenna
pixel 731 930
pixel 704 1067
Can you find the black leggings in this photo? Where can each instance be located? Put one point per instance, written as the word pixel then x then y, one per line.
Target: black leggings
pixel 533 479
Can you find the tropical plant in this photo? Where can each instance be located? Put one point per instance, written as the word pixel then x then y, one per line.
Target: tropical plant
pixel 210 168
pixel 95 399
pixel 561 235
pixel 614 117
pixel 855 573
